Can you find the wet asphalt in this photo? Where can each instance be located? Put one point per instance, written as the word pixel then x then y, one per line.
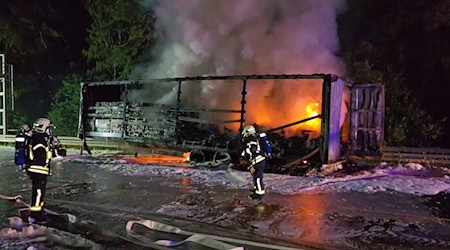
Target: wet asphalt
pixel 351 220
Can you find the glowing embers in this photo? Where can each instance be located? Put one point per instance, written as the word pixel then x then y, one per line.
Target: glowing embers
pixel 312 109
pixel 159 159
pixel 187 156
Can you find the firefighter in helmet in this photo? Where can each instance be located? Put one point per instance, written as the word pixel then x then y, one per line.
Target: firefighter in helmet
pixel 21 145
pixel 38 167
pixel 254 157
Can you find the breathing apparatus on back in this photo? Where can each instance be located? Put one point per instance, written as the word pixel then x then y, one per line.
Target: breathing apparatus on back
pixel 263 140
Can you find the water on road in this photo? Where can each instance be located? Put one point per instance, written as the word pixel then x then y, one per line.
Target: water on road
pixel 100 192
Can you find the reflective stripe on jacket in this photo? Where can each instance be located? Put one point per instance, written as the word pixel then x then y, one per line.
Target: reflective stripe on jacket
pixel 253 152
pixel 39 154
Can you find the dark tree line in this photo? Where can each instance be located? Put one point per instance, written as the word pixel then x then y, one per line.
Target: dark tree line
pixel 43 40
pixel 403 44
pixel 55 44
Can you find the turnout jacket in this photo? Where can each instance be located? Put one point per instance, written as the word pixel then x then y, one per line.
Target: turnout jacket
pixel 39 154
pixel 253 151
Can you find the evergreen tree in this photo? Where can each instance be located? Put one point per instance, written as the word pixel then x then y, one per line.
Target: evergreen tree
pixel 43 40
pixel 120 33
pixel 65 107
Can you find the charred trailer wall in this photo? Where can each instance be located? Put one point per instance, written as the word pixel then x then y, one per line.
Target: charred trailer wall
pixel 332 98
pixel 367 119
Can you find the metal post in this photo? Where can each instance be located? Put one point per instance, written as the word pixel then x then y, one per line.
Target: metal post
pixel 3 91
pixel 2 64
pixel 177 113
pixel 125 107
pixel 244 92
pixel 325 126
pixel 11 80
pixel 3 109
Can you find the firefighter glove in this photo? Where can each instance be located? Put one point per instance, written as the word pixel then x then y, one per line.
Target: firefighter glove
pixel 251 169
pixel 243 162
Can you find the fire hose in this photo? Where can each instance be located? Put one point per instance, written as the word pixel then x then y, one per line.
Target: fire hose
pixel 299 160
pixel 210 241
pixel 158 226
pixel 72 219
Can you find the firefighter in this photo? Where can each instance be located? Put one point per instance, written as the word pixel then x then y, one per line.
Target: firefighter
pixel 21 144
pixel 57 148
pixel 38 167
pixel 254 155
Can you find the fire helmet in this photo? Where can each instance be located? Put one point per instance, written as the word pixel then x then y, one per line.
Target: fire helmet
pixel 248 131
pixel 41 125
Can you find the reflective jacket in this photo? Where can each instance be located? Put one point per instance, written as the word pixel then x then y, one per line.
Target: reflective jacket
pixel 253 151
pixel 21 140
pixel 39 154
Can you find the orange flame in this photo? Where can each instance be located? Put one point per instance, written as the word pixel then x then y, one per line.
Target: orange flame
pixel 268 120
pixel 187 157
pixel 272 104
pixel 312 110
pixel 159 159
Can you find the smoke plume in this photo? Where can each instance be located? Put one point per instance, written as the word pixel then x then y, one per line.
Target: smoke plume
pixel 233 37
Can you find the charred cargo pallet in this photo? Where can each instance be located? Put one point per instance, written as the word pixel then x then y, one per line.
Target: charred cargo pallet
pixel 127 121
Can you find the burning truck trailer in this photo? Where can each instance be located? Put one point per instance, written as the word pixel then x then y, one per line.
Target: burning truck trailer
pixel 311 120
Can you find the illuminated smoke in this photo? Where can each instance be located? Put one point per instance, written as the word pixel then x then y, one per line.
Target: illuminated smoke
pixel 231 37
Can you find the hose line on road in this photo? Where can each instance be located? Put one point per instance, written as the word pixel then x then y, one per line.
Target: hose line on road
pixel 72 219
pixel 171 229
pixel 127 213
pixel 211 241
pixel 204 239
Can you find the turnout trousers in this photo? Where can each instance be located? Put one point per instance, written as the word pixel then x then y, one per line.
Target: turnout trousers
pixel 258 184
pixel 39 185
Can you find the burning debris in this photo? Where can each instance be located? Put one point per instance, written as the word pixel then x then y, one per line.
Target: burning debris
pixel 157 159
pixel 210 133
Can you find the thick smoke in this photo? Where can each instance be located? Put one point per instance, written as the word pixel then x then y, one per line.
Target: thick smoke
pixel 233 37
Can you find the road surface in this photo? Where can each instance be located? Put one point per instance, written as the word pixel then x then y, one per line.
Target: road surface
pixel 369 211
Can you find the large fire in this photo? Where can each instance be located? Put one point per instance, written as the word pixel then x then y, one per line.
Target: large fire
pixel 273 103
pixel 312 109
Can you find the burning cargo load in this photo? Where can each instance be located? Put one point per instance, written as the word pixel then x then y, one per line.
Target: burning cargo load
pixel 303 114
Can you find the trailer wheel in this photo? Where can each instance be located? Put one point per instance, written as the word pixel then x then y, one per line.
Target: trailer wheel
pixel 220 159
pixel 197 156
pixel 221 156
